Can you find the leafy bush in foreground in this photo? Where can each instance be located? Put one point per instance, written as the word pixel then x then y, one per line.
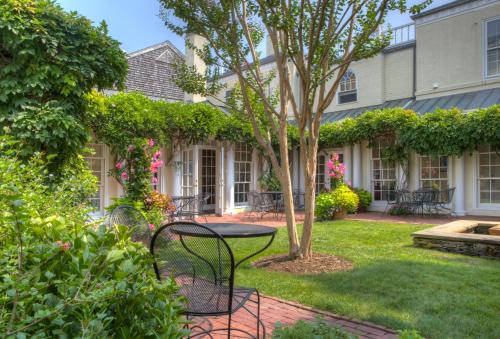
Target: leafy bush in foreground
pixel 61 277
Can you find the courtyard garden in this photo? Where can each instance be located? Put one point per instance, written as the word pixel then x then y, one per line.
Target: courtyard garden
pixel 391 282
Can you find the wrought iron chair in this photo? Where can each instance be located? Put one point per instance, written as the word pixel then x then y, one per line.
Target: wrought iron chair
pixel 202 264
pixel 188 208
pixel 134 219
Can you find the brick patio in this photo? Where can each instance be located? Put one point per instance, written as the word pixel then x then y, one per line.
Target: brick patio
pixel 275 310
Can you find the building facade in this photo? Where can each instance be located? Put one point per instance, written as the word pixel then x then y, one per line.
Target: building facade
pixel 447 57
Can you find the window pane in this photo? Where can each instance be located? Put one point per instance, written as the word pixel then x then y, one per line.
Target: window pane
pixel 493 28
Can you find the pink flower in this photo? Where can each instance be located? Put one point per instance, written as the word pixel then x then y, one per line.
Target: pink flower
pixel 124 176
pixel 151 142
pixel 330 164
pixel 119 165
pixel 157 155
pixel 63 246
pixel 151 227
pixel 335 157
pixel 131 148
pixel 154 180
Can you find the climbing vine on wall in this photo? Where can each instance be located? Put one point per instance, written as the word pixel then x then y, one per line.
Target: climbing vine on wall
pixel 442 132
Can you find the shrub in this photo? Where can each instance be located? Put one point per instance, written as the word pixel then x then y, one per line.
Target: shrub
pixel 324 206
pixel 269 182
pixel 63 277
pixel 365 199
pixel 342 199
pixel 316 329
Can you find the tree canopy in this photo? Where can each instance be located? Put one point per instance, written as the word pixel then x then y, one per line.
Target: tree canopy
pixel 49 60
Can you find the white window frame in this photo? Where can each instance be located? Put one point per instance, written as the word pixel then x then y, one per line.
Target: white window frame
pixel 339 92
pixel 102 179
pixel 479 204
pixel 382 169
pixel 485 49
pixel 237 180
pixel 421 180
pixel 187 172
pixel 321 178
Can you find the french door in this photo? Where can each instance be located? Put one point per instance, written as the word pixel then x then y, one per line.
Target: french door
pixel 208 177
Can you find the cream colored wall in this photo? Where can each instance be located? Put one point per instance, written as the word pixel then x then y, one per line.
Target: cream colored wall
pixel 231 81
pixel 369 77
pixel 450 53
pixel 398 74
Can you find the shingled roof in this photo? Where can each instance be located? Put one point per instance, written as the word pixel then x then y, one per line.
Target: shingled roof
pixel 151 71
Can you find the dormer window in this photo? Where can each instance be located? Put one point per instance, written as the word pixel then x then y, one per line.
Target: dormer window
pixel 493 47
pixel 348 91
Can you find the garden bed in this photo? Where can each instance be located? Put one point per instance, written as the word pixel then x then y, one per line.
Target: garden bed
pixel 319 263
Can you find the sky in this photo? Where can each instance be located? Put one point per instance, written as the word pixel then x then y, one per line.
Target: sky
pixel 136 23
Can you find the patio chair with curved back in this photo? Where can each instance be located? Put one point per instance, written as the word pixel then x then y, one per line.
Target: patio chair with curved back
pixel 134 219
pixel 202 264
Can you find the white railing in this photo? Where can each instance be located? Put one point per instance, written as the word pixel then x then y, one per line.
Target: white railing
pixel 402 34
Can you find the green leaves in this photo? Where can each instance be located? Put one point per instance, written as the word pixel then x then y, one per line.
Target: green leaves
pixel 443 132
pixel 64 277
pixel 49 60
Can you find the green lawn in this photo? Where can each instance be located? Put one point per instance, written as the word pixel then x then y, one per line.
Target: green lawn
pixel 393 284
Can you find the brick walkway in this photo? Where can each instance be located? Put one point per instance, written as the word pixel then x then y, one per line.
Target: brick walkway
pixel 275 310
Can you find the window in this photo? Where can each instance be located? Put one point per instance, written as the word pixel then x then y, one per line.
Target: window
pixel 228 95
pixel 383 172
pixel 320 173
pixel 493 47
pixel 489 176
pixel 242 172
pixel 348 91
pixel 187 172
pixel 96 163
pixel 434 172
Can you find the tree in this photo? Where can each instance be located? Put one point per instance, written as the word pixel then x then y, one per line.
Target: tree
pixel 314 41
pixel 49 60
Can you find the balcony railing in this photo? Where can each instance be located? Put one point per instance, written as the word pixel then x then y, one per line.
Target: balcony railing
pixel 402 34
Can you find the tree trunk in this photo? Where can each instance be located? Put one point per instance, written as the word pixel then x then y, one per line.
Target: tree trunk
pixel 309 197
pixel 286 186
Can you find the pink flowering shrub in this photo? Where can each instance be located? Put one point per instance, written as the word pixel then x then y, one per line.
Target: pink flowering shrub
pixel 136 168
pixel 336 171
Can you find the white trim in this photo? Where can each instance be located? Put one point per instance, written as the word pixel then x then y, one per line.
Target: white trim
pixel 484 48
pixel 351 90
pixel 154 47
pixel 454 11
pixel 477 194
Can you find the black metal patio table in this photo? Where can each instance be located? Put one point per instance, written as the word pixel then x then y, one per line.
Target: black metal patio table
pixel 235 231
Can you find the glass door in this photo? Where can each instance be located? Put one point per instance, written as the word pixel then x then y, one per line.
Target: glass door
pixel 187 172
pixel 208 177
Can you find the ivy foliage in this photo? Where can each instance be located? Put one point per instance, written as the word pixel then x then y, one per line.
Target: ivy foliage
pixel 49 60
pixel 122 119
pixel 442 132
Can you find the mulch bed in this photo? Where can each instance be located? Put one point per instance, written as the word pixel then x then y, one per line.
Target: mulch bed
pixel 319 263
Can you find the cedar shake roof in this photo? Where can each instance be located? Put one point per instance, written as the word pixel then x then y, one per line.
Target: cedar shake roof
pixel 151 71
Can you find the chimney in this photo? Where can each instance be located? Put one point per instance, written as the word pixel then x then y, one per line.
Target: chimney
pixel 269 47
pixel 193 59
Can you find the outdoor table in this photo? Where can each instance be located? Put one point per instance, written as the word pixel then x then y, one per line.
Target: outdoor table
pixel 235 231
